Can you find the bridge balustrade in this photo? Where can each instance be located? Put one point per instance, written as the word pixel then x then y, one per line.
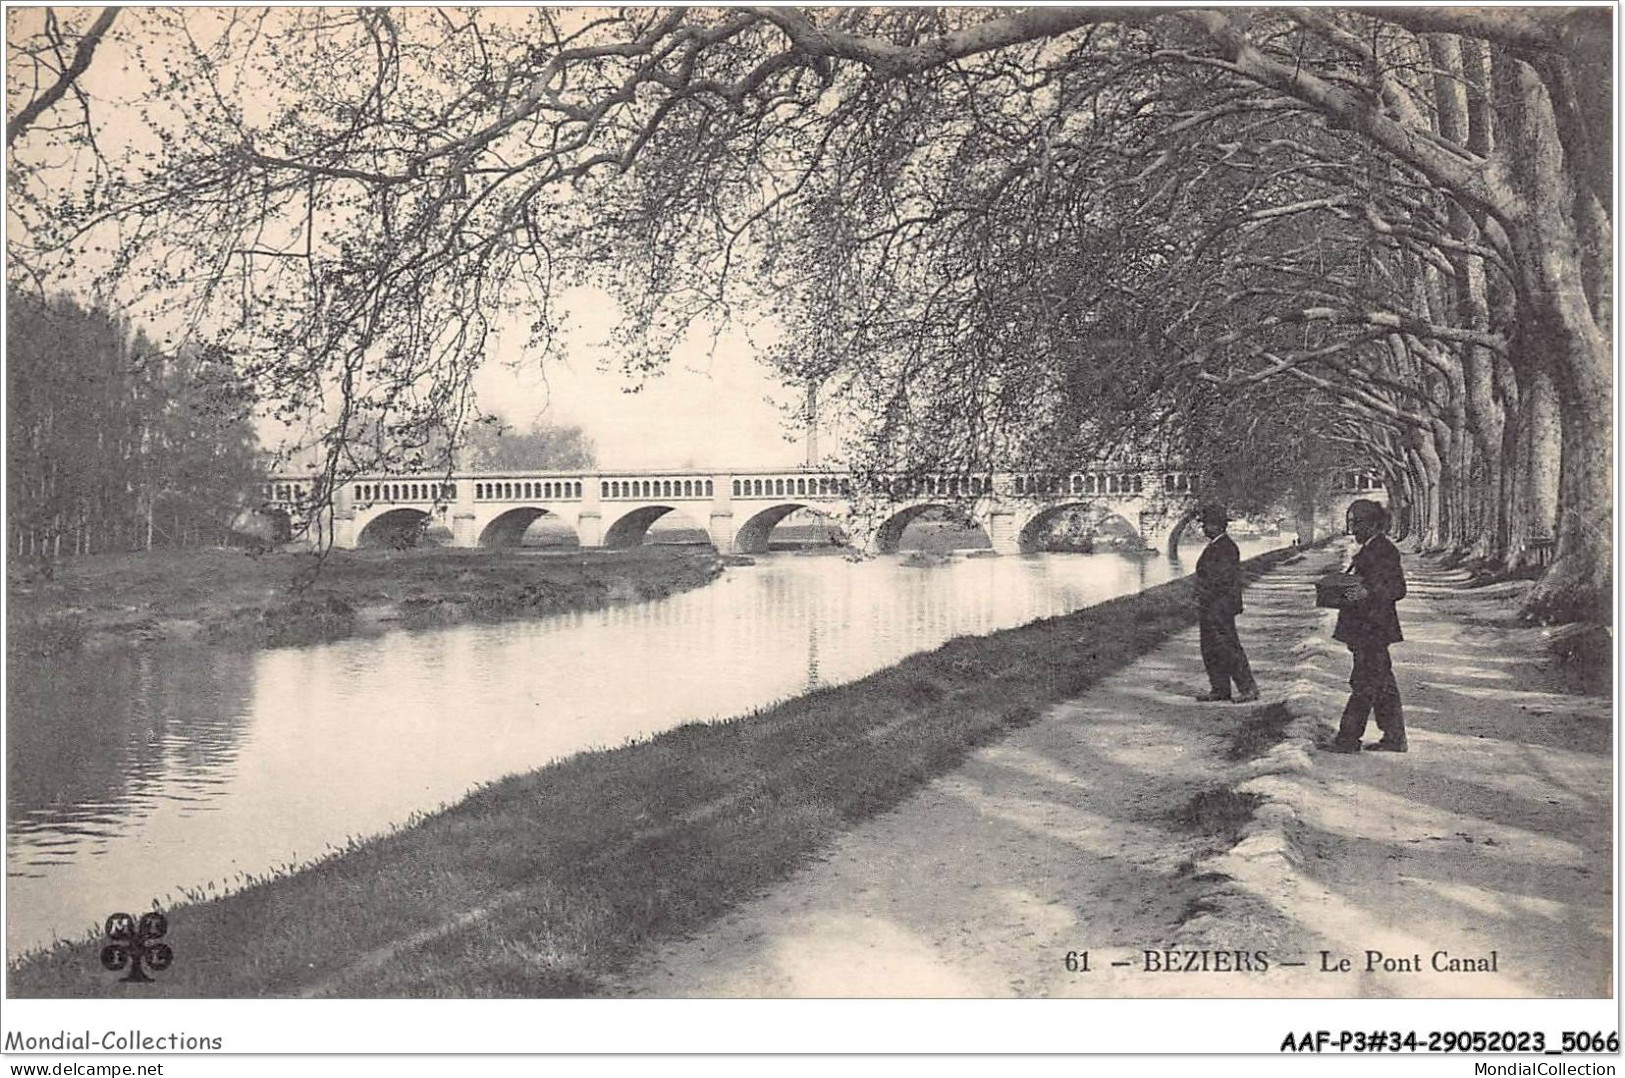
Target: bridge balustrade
pixel 527 490
pixel 404 492
pixel 1049 486
pixel 811 485
pixel 1355 483
pixel 937 486
pixel 779 485
pixel 284 493
pixel 626 488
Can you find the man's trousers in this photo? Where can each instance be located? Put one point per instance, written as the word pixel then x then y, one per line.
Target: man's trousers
pixel 1223 657
pixel 1373 688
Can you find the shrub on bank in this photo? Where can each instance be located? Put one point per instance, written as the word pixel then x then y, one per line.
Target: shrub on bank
pixel 126 599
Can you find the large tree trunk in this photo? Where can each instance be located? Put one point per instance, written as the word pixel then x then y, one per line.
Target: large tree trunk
pixel 1579 583
pixel 1448 445
pixel 1400 500
pixel 1508 534
pixel 1555 215
pixel 1429 472
pixel 1563 324
pixel 1469 296
pixel 1539 447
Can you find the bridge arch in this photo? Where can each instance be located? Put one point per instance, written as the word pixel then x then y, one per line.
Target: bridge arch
pixel 508 528
pixel 632 528
pixel 1030 539
pixel 1185 520
pixel 889 535
pixel 395 528
pixel 755 534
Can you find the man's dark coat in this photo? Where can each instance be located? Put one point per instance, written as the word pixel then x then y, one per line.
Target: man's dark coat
pixel 1218 578
pixel 1374 622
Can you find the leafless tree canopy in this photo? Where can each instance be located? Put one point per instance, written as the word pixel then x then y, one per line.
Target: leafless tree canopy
pixel 1267 241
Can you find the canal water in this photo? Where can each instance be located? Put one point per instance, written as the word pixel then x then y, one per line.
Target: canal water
pixel 135 776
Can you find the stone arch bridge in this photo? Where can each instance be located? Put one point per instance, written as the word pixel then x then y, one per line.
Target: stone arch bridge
pixel 738 509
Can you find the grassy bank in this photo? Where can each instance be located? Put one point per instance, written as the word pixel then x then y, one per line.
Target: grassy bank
pixel 226 597
pixel 549 883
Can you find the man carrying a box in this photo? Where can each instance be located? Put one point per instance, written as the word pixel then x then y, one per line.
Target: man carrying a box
pixel 1367 622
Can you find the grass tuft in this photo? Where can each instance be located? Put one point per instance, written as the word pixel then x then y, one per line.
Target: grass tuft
pixel 1258 733
pixel 1220 813
pixel 1020 715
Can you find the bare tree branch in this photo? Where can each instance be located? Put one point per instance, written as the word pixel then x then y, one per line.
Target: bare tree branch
pixel 67 79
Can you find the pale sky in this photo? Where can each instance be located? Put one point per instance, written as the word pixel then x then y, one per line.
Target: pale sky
pixel 704 410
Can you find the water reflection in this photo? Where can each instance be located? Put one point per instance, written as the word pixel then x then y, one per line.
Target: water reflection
pixel 90 746
pixel 134 776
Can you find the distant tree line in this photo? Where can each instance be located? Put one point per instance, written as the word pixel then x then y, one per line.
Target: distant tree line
pixel 493 447
pixel 112 444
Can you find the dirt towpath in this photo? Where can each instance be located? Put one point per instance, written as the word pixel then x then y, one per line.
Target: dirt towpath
pixel 1134 819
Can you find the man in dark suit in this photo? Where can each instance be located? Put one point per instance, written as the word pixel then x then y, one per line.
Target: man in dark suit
pixel 1218 601
pixel 1368 623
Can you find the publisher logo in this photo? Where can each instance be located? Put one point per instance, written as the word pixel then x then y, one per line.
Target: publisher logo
pixel 135 944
